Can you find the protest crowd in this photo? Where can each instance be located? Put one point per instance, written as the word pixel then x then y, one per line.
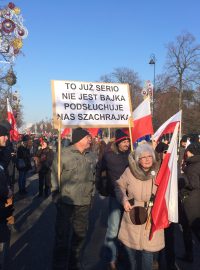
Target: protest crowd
pixel 151 183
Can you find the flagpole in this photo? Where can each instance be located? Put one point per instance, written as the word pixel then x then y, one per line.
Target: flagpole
pixel 130 119
pixel 166 180
pixel 59 150
pixel 130 125
pixel 109 134
pixel 180 133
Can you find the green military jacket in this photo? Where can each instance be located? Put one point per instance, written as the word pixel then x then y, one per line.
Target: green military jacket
pixel 77 176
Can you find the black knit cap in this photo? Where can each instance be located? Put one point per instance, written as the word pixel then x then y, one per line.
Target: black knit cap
pixel 120 136
pixel 5 128
pixel 194 148
pixel 3 131
pixel 161 147
pixel 78 134
pixel 184 138
pixel 25 138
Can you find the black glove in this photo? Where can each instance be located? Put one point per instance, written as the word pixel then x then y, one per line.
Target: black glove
pixel 56 195
pixel 6 212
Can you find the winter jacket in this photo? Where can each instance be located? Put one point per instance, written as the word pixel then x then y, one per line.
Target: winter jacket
pixel 24 153
pixel 5 212
pixel 136 184
pixel 45 159
pixel 5 160
pixel 192 171
pixel 113 163
pixel 3 185
pixel 77 176
pixel 191 199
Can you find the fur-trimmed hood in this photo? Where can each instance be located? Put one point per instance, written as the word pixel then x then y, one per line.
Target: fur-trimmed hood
pixel 138 172
pixel 114 148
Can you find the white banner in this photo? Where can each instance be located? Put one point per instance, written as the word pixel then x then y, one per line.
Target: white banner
pixel 90 104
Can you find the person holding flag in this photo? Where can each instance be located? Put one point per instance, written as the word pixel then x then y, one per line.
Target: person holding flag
pixel 135 190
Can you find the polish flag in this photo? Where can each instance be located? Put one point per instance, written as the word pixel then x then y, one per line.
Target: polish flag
pixel 93 131
pixel 65 132
pixel 142 121
pixel 168 126
pixel 165 208
pixel 14 134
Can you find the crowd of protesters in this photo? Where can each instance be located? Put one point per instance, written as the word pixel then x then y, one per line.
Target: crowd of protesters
pixel 90 165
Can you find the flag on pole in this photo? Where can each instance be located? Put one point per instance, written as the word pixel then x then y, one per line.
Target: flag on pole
pixel 165 208
pixel 142 121
pixel 65 132
pixel 168 126
pixel 93 131
pixel 14 134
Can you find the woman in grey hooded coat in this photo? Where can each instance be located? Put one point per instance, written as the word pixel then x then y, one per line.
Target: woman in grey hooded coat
pixel 136 187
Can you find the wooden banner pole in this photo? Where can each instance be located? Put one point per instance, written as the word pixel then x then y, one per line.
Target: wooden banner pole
pixel 130 119
pixel 59 151
pixel 130 125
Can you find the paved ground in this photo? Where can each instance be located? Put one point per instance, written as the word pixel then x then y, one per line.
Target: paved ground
pixel 31 246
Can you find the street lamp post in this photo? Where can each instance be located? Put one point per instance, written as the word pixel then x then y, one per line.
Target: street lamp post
pixel 153 62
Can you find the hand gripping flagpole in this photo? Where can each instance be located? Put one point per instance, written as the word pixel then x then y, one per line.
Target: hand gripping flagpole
pixel 151 201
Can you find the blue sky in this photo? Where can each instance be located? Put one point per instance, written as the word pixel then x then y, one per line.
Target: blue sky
pixel 83 40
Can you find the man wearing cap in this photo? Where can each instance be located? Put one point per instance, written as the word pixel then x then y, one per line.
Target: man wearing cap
pixel 5 211
pixel 72 196
pixel 114 163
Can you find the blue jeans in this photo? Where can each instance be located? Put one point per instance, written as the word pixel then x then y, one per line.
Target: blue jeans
pixel 114 219
pixel 138 259
pixel 22 180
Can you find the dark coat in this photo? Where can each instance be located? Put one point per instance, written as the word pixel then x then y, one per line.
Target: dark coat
pixel 113 164
pixel 3 185
pixel 7 160
pixel 4 212
pixel 45 159
pixel 24 153
pixel 192 190
pixel 192 171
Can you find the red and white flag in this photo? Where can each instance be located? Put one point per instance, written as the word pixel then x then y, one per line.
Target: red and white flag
pixel 93 131
pixel 142 121
pixel 168 126
pixel 165 208
pixel 14 134
pixel 65 132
